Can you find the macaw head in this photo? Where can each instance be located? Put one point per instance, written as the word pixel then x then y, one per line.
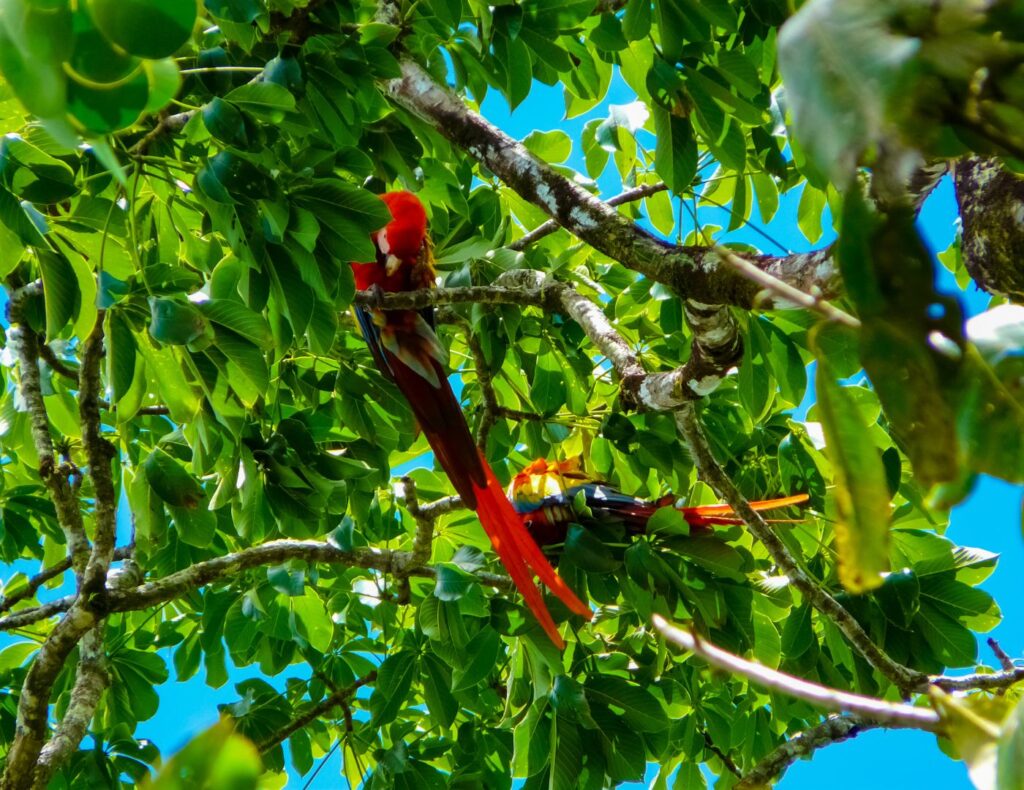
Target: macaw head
pixel 542 479
pixel 404 259
pixel 405 235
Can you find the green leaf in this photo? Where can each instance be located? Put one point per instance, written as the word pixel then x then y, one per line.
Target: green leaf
pixel 587 551
pixel 975 726
pixel 348 213
pixel 171 482
pixel 314 622
pixel 839 61
pixel 437 693
pixel 547 391
pixel 60 291
pixel 147 28
pixel 900 597
pixel 217 758
pixel 1010 751
pixel 239 319
pixel 174 322
pixel 952 643
pixel 266 101
pixel 675 156
pixel 911 344
pixel 394 680
pixel 34 175
pixel 286 580
pixel 122 353
pixel 639 707
pixel 636 23
pixel 714 555
pixel 483 659
pixel 452 582
pixel 808 213
pixel 554 146
pixel 862 495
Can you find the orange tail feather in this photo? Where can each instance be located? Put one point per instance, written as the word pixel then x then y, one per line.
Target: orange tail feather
pixel 703 515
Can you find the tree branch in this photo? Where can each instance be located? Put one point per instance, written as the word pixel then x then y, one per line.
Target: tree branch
pixel 424 538
pixel 91 680
pixel 891 714
pixel 981 681
pixel 34 704
pixel 904 678
pixel 99 453
pixel 695 271
pixel 785 292
pixel 340 697
pixel 835 729
pixel 49 356
pixel 991 202
pixel 44 576
pixel 177 584
pixel 55 477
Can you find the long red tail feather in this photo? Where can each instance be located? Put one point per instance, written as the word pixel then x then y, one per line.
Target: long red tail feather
pixel 440 417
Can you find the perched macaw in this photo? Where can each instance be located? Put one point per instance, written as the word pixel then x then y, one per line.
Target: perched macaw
pixel 544 493
pixel 408 352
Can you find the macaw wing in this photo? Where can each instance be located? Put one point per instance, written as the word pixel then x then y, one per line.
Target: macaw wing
pixel 371 332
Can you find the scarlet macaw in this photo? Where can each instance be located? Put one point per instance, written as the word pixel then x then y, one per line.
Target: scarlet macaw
pixel 544 492
pixel 408 352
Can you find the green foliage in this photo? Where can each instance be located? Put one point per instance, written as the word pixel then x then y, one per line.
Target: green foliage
pixel 233 152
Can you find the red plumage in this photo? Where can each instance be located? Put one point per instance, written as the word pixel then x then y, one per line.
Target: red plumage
pixel 407 351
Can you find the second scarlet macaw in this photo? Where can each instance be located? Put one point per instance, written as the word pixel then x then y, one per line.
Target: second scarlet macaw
pixel 544 493
pixel 408 352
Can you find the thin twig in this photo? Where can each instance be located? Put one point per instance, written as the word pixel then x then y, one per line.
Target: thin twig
pixel 340 697
pixel 892 714
pixel 549 227
pixel 1001 655
pixel 424 539
pixel 785 291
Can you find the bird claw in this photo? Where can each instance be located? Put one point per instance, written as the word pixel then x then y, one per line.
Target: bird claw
pixel 376 296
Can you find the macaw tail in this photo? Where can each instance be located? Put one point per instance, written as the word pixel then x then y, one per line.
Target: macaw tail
pixel 411 360
pixel 708 515
pixel 519 553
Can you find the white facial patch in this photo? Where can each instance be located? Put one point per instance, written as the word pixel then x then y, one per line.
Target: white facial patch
pixel 382 241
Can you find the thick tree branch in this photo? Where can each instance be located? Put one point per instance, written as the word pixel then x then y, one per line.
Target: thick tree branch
pixel 835 729
pixel 91 680
pixel 340 697
pixel 177 584
pixel 44 576
pixel 696 272
pixel 891 714
pixel 904 678
pixel 991 201
pixel 55 477
pixel 32 724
